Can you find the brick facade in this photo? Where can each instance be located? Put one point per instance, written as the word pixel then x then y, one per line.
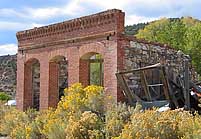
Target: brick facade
pixel 98 33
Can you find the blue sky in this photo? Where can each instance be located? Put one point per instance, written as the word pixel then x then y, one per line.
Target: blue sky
pixel 25 14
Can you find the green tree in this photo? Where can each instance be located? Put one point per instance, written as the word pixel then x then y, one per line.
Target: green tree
pixel 155 31
pixel 182 34
pixel 133 29
pixel 189 21
pixel 193 45
pixel 167 31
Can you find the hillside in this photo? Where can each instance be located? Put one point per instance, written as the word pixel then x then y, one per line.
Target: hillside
pixel 133 29
pixel 8 74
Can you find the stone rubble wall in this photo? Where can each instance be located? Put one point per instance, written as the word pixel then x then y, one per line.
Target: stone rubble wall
pixel 141 54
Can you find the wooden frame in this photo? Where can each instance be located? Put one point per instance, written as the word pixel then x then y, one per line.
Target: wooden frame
pixel 132 97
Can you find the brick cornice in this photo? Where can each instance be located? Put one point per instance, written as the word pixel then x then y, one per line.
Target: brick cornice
pixel 66 41
pixel 74 25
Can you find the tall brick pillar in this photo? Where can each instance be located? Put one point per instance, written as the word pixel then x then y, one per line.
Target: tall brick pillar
pixel 49 96
pixel 44 83
pixel 110 68
pixel 20 82
pixel 73 66
pixel 28 92
pixel 53 84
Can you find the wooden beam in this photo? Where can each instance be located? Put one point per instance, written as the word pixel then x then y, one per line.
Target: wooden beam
pixel 141 69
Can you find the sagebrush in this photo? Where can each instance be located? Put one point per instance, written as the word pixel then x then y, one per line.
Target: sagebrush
pixel 82 114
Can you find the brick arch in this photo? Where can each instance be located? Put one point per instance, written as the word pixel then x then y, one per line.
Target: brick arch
pixel 88 55
pixel 58 53
pixel 85 52
pixel 57 58
pixel 31 99
pixel 84 68
pixel 31 60
pixel 98 47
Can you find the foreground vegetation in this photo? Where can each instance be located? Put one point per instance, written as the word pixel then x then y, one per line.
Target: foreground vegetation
pixel 81 115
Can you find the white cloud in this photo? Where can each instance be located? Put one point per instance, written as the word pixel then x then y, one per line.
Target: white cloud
pixel 134 19
pixel 72 8
pixel 42 13
pixel 109 4
pixel 16 26
pixel 140 8
pixel 151 8
pixel 6 12
pixel 6 49
pixel 5 25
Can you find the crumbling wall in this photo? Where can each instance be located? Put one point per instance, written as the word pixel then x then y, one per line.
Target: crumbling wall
pixel 140 54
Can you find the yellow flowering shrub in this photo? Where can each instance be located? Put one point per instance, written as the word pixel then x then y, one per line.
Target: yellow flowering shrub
pixel 116 117
pixel 81 115
pixel 13 119
pixel 73 99
pixel 49 125
pixel 54 129
pixel 76 100
pixel 3 111
pixel 190 127
pixel 154 125
pixel 38 124
pixel 94 98
pixel 89 126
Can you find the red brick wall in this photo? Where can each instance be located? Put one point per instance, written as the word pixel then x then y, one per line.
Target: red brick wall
pixel 84 72
pixel 53 84
pixel 28 85
pixel 72 41
pixel 122 43
pixel 20 82
pixel 44 80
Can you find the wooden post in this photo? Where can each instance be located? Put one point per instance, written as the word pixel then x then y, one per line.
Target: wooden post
pixel 146 87
pixel 186 85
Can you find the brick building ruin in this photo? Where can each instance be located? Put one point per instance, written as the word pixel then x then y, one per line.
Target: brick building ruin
pixel 60 54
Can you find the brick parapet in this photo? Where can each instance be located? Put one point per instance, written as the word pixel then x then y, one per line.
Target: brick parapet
pixel 84 26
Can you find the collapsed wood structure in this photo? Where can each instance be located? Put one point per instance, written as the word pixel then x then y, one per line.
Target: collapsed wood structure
pixel 164 91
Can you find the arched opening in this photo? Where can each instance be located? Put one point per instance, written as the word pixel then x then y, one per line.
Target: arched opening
pixel 32 84
pixel 91 69
pixel 58 79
